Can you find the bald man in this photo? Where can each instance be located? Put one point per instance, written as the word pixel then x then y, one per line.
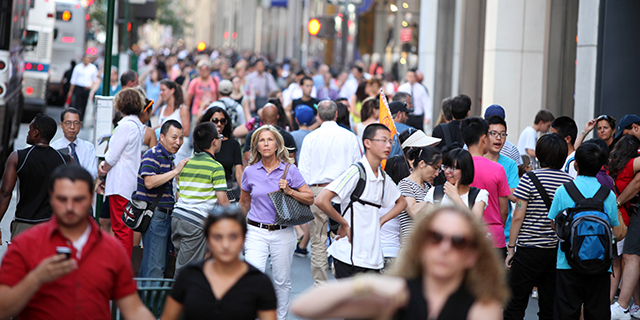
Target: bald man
pixel 270 116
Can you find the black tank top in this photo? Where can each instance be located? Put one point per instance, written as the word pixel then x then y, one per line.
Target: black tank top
pixel 35 165
pixel 456 308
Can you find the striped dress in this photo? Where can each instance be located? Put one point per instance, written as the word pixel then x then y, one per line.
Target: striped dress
pixel 198 183
pixel 408 188
pixel 536 229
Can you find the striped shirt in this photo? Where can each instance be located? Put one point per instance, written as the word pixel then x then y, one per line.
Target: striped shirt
pixel 511 151
pixel 409 188
pixel 536 229
pixel 156 160
pixel 198 183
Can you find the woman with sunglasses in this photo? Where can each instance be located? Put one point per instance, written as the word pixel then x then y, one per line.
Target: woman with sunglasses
pixel 426 167
pixel 457 165
pixel 222 286
pixel 447 270
pixel 230 154
pixel 175 109
pixel 605 126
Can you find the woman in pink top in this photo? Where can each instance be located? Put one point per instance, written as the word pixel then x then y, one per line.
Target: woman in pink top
pixel 202 90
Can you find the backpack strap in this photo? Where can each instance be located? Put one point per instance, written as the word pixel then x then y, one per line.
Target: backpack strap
pixel 541 190
pixel 438 194
pixel 566 167
pixel 362 182
pixel 473 194
pixel 447 134
pixel 602 194
pixel 573 191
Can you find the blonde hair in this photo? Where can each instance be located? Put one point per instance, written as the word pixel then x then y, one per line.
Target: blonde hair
pixel 485 280
pixel 282 153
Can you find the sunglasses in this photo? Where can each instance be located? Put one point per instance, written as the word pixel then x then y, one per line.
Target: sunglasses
pixel 221 120
pixel 457 242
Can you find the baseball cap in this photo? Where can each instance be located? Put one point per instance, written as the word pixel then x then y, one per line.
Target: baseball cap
pixel 225 87
pixel 494 110
pixel 304 114
pixel 397 106
pixel 419 139
pixel 625 122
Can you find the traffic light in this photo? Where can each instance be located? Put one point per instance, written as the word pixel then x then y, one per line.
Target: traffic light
pixel 322 27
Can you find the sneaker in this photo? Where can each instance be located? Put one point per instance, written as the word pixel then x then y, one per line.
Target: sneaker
pixel 617 313
pixel 534 294
pixel 634 311
pixel 300 252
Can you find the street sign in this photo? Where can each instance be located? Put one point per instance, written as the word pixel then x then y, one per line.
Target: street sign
pixel 103 111
pixel 405 35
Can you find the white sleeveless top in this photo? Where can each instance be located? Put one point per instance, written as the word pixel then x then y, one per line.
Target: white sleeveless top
pixel 174 116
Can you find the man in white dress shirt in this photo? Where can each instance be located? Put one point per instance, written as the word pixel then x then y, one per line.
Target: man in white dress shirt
pixel 82 78
pixel 351 85
pixel 325 154
pixel 83 152
pixel 422 104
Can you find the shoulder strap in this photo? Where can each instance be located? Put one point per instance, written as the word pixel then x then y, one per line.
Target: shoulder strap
pixel 362 182
pixel 473 194
pixel 602 194
pixel 438 194
pixel 541 190
pixel 158 197
pixel 447 134
pixel 573 191
pixel 286 170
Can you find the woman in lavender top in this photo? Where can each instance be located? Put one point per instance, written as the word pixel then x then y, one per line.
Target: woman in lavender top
pixel 269 159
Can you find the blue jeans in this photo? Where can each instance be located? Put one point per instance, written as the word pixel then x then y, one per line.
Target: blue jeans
pixel 155 240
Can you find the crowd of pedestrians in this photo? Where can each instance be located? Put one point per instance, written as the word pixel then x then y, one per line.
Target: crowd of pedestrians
pixel 463 223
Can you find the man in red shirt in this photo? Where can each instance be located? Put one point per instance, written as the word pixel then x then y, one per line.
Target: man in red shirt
pixel 38 283
pixel 489 176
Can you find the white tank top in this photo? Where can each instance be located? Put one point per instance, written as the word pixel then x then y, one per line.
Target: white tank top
pixel 174 116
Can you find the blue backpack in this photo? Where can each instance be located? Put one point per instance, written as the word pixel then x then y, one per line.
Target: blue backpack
pixel 585 233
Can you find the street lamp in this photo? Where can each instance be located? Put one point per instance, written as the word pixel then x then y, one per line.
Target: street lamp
pixel 393 7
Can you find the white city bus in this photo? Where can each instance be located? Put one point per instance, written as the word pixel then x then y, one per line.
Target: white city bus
pixel 42 16
pixel 68 43
pixel 13 26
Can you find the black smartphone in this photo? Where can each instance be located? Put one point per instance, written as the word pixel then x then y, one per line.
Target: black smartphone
pixel 64 250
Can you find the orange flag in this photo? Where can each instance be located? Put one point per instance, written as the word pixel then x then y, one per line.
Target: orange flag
pixel 385 114
pixel 386 119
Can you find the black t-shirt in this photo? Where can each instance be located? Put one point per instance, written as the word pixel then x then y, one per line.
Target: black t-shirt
pixel 311 103
pixel 229 156
pixel 251 293
pixel 456 308
pixel 454 130
pixel 289 142
pixel 35 165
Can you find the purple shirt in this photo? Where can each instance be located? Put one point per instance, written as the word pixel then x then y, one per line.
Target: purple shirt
pixel 259 183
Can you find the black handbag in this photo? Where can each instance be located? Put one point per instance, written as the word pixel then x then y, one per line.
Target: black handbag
pixel 289 211
pixel 138 213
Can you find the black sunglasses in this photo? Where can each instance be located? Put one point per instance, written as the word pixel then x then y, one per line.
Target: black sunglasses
pixel 221 120
pixel 457 242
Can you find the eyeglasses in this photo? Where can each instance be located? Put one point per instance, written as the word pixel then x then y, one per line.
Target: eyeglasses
pixel 74 123
pixel 604 116
pixel 384 141
pixel 495 134
pixel 221 120
pixel 445 168
pixel 437 168
pixel 457 242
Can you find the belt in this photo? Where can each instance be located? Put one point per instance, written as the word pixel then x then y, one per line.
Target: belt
pixel 270 226
pixel 165 210
pixel 319 185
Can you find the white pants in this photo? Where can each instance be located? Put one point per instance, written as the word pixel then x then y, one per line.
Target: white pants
pixel 280 244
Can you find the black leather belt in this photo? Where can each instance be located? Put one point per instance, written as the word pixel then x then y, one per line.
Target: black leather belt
pixel 165 210
pixel 270 227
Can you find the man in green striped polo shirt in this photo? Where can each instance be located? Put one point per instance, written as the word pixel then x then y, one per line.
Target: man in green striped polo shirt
pixel 202 186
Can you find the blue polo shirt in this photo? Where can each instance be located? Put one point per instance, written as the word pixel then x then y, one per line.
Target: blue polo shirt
pixel 396 150
pixel 588 186
pixel 156 160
